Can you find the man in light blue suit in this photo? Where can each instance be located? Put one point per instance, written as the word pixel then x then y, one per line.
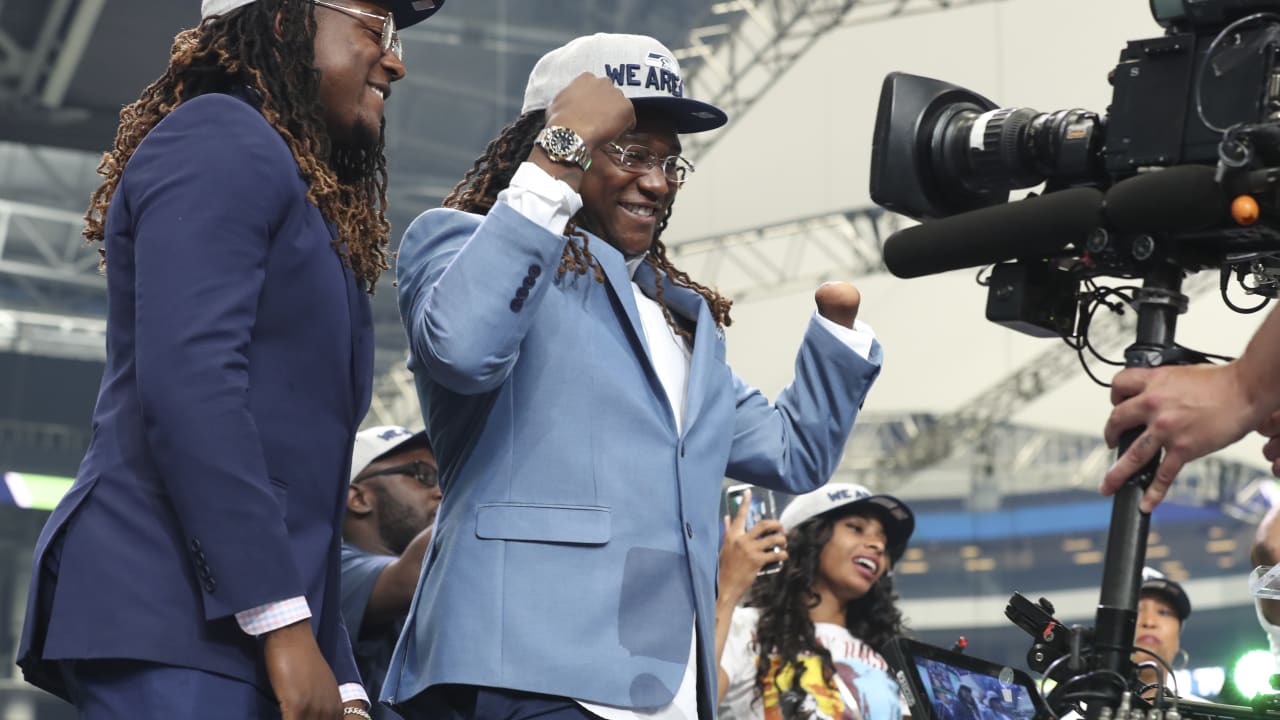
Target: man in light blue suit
pixel 582 413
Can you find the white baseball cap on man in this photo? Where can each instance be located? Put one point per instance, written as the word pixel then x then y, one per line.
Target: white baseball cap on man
pixel 839 498
pixel 407 12
pixel 378 442
pixel 645 70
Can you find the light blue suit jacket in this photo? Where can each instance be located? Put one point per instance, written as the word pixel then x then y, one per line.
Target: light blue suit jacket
pixel 578 537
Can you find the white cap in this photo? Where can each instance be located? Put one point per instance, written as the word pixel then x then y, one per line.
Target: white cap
pixel 897 518
pixel 642 68
pixel 209 8
pixel 372 444
pixel 408 12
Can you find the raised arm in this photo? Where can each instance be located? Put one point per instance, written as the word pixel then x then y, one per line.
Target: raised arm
pixel 796 444
pixel 459 272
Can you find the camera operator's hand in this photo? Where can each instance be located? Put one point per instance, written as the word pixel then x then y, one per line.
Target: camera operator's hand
pixel 1270 428
pixel 1189 411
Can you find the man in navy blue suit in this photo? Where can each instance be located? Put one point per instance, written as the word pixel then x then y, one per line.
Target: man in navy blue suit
pixel 192 570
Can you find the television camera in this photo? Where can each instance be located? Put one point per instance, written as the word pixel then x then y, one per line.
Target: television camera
pixel 1181 174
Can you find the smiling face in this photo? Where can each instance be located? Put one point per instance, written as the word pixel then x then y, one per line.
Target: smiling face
pixel 626 208
pixel 1158 628
pixel 355 73
pixel 854 559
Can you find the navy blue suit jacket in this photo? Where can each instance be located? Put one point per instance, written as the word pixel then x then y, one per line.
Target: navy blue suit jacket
pixel 239 364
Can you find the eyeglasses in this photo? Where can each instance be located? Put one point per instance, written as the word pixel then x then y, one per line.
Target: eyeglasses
pixel 639 159
pixel 418 470
pixel 389 37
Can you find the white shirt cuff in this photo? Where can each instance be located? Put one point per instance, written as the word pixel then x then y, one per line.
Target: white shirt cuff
pixel 353 691
pixel 545 200
pixel 859 338
pixel 273 616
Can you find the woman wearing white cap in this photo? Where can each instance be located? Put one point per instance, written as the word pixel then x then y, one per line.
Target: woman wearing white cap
pixel 820 619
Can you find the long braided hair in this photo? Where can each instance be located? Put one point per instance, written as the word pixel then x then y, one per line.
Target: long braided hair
pixel 241 49
pixel 785 598
pixel 492 172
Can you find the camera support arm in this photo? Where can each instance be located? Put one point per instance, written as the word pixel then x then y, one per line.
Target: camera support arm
pixel 1159 304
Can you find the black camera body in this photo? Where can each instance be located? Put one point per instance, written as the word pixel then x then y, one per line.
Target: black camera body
pixel 940 150
pixel 1160 86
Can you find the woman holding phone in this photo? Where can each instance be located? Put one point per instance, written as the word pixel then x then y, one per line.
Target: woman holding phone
pixel 806 643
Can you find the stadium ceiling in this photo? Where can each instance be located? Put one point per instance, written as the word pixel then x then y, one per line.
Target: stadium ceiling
pixel 67 66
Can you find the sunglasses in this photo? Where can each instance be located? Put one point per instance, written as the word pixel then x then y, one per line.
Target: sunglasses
pixel 418 470
pixel 389 38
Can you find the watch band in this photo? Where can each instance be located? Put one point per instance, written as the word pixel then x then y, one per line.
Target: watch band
pixel 563 145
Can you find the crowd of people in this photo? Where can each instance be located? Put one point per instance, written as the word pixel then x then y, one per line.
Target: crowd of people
pixel 550 545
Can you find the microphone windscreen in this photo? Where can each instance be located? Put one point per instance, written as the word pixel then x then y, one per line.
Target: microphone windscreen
pixel 1036 227
pixel 1184 197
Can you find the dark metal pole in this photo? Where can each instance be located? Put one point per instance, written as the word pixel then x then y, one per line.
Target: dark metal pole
pixel 1159 303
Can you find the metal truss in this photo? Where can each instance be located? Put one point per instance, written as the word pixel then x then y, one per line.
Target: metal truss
pixel 52 296
pixel 46 335
pixel 46 271
pixel 750 264
pixel 969 426
pixel 775 259
pixel 45 243
pixel 38 74
pixel 1021 460
pixel 748 45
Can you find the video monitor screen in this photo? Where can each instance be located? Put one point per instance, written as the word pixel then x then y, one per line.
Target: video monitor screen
pixel 959 694
pixel 946 685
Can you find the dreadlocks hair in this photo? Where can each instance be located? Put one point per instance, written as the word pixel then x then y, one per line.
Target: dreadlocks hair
pixel 492 172
pixel 242 49
pixel 785 598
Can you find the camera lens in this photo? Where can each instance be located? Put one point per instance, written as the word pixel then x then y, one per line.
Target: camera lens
pixel 1010 148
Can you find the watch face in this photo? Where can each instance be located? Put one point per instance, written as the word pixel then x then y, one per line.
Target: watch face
pixel 561 141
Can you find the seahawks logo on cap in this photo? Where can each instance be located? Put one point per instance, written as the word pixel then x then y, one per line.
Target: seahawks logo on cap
pixel 656 59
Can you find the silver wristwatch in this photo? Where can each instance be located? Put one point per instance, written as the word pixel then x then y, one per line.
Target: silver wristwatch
pixel 563 145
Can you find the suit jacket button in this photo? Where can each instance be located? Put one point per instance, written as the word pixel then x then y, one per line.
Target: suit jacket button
pixel 688 529
pixel 522 292
pixel 210 584
pixel 529 282
pixel 516 305
pixel 535 271
pixel 195 545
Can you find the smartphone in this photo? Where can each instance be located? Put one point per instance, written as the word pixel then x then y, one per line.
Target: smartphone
pixel 762 507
